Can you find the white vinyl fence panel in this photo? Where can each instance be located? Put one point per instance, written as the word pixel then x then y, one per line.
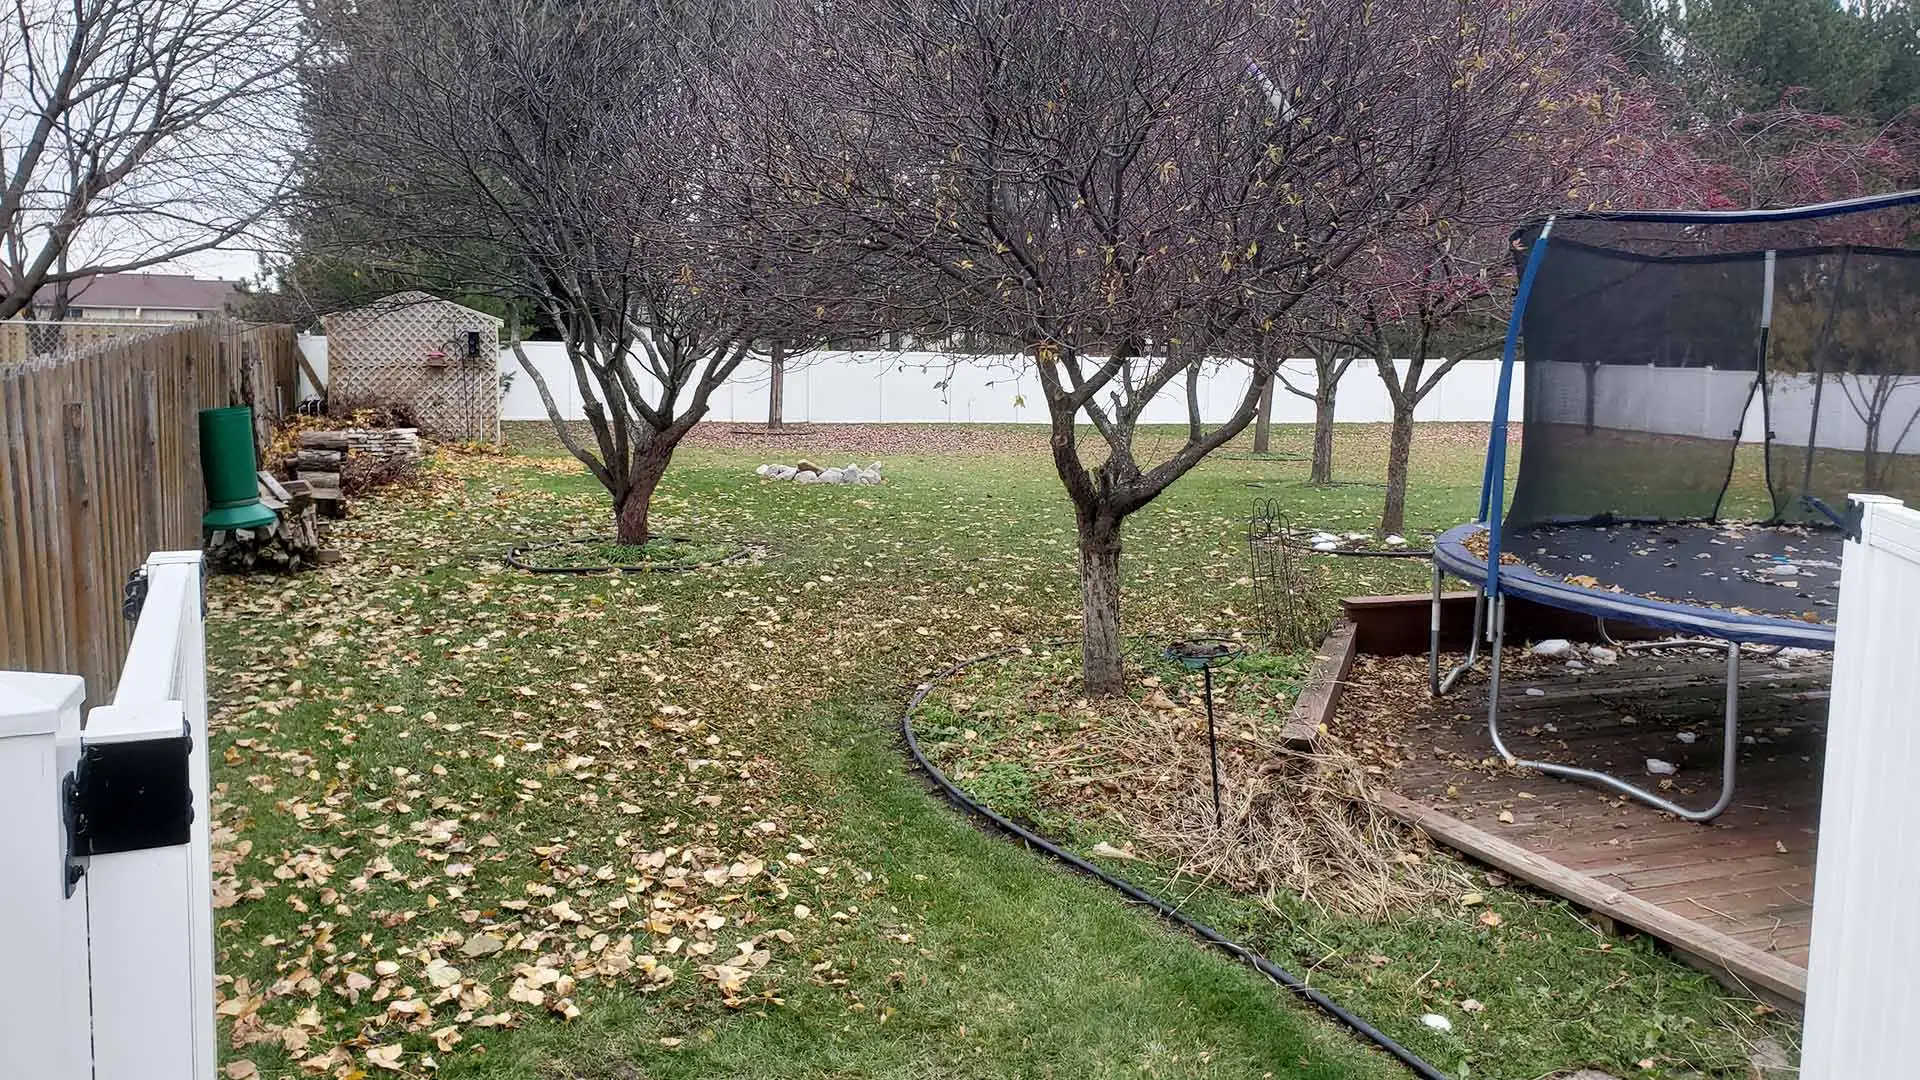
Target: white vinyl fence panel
pixel 878 386
pixel 113 981
pixel 1861 990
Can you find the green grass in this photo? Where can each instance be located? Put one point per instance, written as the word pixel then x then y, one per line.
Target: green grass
pixel 421 749
pixel 1548 990
pixel 658 553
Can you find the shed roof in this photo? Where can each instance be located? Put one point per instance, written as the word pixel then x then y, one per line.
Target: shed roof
pixel 399 302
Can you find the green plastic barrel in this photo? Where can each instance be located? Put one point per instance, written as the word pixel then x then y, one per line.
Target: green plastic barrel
pixel 231 471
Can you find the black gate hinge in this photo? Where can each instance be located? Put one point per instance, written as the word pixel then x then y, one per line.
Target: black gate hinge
pixel 133 595
pixel 127 796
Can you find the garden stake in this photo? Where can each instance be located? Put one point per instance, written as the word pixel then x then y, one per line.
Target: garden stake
pixel 1204 654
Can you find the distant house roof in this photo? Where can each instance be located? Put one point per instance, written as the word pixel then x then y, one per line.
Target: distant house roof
pixel 161 292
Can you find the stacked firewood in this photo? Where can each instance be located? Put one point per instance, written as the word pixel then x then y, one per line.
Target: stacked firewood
pixel 292 542
pixel 317 463
pixel 327 461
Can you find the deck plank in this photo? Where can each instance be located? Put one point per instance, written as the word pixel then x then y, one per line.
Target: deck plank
pixel 1734 895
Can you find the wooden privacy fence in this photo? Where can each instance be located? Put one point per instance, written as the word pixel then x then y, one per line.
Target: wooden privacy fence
pixel 23 339
pixel 100 464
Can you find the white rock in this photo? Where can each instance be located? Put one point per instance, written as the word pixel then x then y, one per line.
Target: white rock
pixel 849 467
pixel 1575 665
pixel 1325 538
pixel 807 478
pixel 1396 541
pixel 785 472
pixel 1553 647
pixel 1534 691
pixel 875 466
pixel 1602 655
pixel 869 476
pixel 1437 1022
pixel 1327 545
pixel 763 470
pixel 1661 768
pixel 832 476
pixel 1356 536
pixel 1687 737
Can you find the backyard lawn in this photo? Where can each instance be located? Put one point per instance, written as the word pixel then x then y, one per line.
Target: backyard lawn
pixel 477 822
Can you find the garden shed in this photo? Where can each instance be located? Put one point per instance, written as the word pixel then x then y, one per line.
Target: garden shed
pixel 437 359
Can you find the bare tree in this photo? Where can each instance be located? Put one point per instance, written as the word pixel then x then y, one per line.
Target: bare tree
pixel 133 132
pixel 1399 307
pixel 582 156
pixel 1330 360
pixel 1090 175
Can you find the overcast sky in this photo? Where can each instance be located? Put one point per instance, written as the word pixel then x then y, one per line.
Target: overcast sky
pixel 230 265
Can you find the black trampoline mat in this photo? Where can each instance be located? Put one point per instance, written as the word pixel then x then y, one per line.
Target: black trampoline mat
pixel 1783 571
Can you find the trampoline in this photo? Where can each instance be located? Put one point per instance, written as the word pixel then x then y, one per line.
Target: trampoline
pixel 1703 393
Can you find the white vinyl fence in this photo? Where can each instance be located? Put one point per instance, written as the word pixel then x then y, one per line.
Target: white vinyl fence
pixel 1861 990
pixel 106 903
pixel 880 386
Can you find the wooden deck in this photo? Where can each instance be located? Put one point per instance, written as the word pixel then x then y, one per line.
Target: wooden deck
pixel 1735 895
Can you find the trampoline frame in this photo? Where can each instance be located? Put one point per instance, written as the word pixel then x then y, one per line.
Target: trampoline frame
pixel 1494 585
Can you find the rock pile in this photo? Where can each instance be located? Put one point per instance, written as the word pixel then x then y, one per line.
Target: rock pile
pixel 806 472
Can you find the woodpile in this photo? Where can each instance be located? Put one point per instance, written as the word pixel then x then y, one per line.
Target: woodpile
pixel 322 457
pixel 292 542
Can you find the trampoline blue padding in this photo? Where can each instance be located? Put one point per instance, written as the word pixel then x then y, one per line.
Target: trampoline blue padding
pixel 1453 556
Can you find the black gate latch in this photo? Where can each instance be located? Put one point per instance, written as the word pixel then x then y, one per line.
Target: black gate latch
pixel 127 796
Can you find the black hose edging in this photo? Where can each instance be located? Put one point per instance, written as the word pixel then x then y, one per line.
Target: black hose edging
pixel 517 558
pixel 1418 1065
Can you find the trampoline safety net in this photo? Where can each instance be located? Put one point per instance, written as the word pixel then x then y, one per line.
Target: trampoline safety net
pixel 1701 371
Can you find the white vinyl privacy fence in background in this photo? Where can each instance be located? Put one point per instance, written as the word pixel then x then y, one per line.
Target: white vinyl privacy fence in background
pixel 883 386
pixel 1861 987
pixel 106 903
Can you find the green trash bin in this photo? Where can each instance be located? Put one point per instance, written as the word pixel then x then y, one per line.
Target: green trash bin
pixel 231 471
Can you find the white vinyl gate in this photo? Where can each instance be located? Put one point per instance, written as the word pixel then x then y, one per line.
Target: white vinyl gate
pixel 106 916
pixel 1862 992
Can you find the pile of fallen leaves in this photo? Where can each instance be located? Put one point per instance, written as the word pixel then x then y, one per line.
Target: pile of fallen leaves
pixel 1295 822
pixel 433 821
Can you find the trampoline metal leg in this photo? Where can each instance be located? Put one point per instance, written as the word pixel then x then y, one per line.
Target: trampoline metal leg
pixel 1442 684
pixel 1433 632
pixel 1729 754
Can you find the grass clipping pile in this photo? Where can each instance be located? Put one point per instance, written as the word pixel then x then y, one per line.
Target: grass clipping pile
pixel 1133 773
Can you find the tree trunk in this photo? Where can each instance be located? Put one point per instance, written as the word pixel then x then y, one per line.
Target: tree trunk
pixel 1196 427
pixel 1323 402
pixel 1100 604
pixel 1399 455
pixel 1263 423
pixel 630 514
pixel 777 388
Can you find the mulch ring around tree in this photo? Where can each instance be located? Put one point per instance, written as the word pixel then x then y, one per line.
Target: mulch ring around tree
pixel 598 555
